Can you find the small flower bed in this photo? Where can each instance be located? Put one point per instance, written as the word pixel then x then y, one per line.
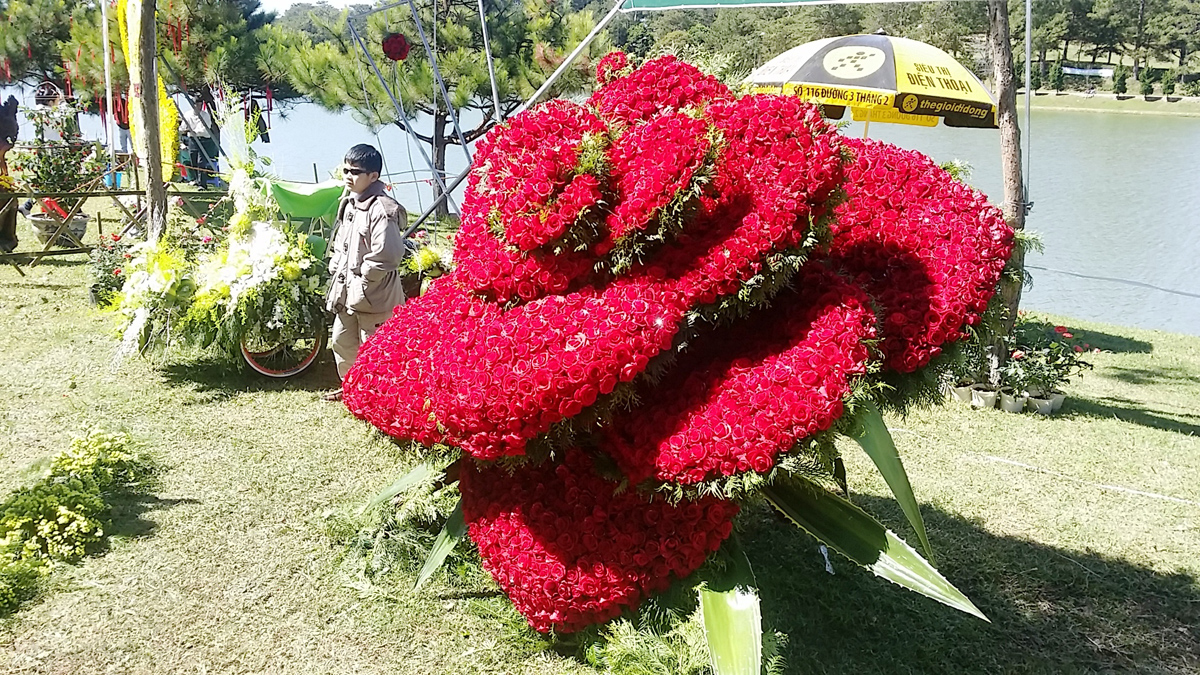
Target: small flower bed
pixel 110 260
pixel 62 516
pixel 1042 358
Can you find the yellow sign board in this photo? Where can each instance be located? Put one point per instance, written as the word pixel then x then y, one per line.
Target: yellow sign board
pixel 892 116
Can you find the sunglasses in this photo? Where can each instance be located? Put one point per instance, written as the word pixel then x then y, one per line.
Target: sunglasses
pixel 349 170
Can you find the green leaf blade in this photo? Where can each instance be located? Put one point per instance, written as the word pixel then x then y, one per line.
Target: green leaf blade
pixel 876 441
pixel 453 531
pixel 419 474
pixel 733 630
pixel 852 532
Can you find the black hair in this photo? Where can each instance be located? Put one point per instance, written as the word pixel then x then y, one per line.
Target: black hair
pixel 366 157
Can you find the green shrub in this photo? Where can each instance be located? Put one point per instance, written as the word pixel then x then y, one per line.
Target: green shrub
pixel 57 518
pixel 1057 77
pixel 1035 79
pixel 1192 88
pixel 1120 77
pixel 1146 78
pixel 1169 80
pixel 18 581
pixel 105 457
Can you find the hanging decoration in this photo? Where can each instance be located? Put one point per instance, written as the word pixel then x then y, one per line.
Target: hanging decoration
pixel 128 22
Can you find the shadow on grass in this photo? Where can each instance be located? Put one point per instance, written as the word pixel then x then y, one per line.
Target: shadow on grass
pixel 128 511
pixel 31 285
pixel 223 379
pixel 52 261
pixel 1106 341
pixel 1136 412
pixel 1052 611
pixel 1156 376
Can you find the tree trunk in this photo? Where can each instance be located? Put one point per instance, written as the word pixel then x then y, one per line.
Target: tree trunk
pixel 1010 146
pixel 1042 65
pixel 439 159
pixel 1137 43
pixel 156 192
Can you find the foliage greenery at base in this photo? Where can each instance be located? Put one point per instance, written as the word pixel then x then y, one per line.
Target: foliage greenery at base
pixel 62 516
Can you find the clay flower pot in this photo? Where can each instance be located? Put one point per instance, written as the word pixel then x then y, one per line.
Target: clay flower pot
pixel 1057 398
pixel 44 227
pixel 1041 406
pixel 983 396
pixel 1012 402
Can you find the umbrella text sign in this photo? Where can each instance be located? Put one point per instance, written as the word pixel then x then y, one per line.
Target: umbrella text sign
pixel 872 72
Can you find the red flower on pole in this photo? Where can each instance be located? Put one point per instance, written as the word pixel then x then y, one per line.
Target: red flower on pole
pixel 395 46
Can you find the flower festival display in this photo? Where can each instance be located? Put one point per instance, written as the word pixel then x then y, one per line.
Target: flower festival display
pixel 260 285
pixel 668 300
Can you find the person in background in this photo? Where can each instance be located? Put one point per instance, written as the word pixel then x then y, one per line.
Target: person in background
pixel 121 118
pixel 8 131
pixel 196 125
pixel 366 252
pixel 9 128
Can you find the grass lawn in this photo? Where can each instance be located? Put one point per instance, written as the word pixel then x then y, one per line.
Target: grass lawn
pixel 1105 102
pixel 1079 535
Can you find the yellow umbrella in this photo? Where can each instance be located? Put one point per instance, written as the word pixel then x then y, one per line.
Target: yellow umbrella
pixel 881 79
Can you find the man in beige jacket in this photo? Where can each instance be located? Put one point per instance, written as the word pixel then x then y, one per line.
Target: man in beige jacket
pixel 367 249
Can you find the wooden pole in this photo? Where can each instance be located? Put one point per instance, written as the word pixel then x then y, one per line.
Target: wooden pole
pixel 156 192
pixel 110 128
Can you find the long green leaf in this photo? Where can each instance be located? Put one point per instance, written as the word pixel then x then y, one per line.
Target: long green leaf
pixel 451 533
pixel 876 441
pixel 419 474
pixel 733 629
pixel 731 616
pixel 852 532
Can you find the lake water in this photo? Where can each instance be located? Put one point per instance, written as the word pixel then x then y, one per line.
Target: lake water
pixel 1115 196
pixel 1116 199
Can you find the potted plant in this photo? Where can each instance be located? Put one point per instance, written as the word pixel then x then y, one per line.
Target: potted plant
pixel 969 362
pixel 1014 379
pixel 110 261
pixel 1050 356
pixel 59 161
pixel 1066 348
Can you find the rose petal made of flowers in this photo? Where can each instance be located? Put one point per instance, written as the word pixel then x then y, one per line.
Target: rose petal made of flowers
pixel 781 164
pixel 664 84
pixel 650 165
pixel 927 247
pixel 489 380
pixel 524 174
pixel 570 552
pixel 743 395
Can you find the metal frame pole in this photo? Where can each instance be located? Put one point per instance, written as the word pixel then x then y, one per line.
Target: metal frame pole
pixel 437 75
pixel 110 129
pixel 487 49
pixel 1028 98
pixel 571 58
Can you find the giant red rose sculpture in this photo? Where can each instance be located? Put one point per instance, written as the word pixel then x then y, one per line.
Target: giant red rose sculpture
pixel 664 297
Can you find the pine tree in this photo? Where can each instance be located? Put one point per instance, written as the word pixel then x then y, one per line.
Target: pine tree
pixel 528 41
